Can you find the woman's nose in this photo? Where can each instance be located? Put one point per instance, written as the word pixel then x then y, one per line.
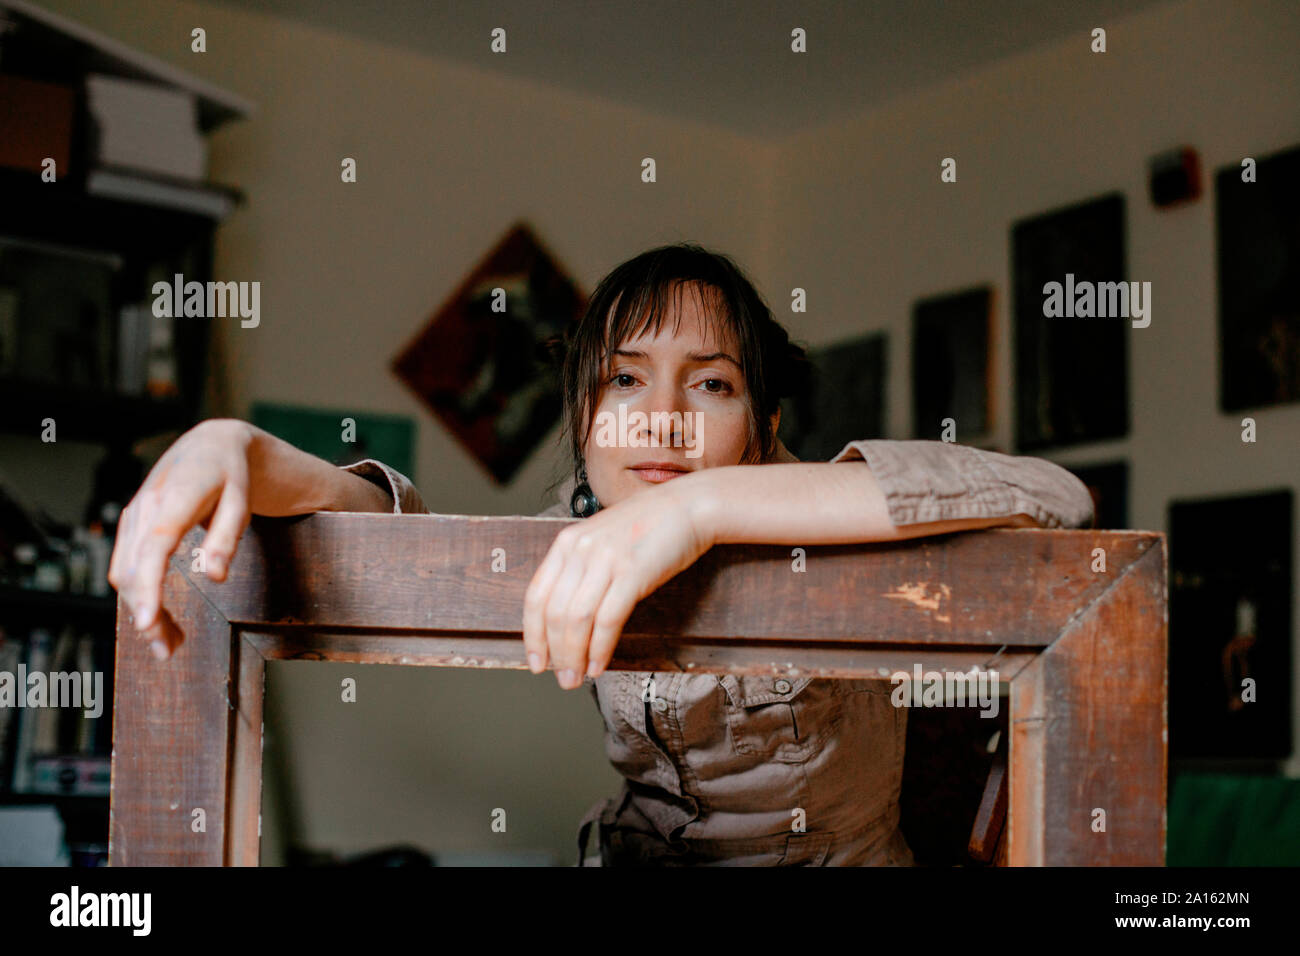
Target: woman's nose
pixel 665 408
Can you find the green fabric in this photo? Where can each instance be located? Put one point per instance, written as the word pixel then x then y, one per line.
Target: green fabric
pixel 1233 820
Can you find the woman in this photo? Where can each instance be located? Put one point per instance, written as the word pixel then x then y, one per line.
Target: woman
pixel 672 382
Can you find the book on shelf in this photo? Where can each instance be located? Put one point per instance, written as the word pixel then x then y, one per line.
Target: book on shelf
pixel 128 185
pixel 146 126
pixel 134 324
pixel 40 646
pixel 55 742
pixel 11 654
pixel 72 775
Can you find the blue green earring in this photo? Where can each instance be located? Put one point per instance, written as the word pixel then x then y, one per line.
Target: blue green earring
pixel 583 504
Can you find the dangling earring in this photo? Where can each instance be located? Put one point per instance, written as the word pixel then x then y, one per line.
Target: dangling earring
pixel 583 504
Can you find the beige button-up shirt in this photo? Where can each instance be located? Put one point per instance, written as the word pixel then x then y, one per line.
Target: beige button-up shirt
pixel 761 770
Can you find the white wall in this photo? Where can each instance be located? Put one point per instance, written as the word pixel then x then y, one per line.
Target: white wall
pixel 863 222
pixel 853 212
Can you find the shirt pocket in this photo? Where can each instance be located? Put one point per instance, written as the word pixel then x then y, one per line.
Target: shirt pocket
pixel 780 719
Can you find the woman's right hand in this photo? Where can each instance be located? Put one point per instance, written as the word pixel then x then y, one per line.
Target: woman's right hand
pixel 203 478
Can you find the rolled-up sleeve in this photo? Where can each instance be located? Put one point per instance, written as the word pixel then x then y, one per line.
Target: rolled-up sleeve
pixel 406 500
pixel 925 481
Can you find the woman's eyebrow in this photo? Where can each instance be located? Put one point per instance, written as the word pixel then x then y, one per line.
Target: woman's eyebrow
pixel 693 356
pixel 711 357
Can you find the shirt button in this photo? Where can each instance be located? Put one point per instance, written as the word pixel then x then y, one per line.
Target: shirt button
pixel 660 704
pixel 782 686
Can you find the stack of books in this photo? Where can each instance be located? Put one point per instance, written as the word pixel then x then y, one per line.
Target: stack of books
pixel 147 146
pixel 147 127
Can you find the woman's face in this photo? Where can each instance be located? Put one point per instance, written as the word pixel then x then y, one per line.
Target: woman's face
pixel 668 404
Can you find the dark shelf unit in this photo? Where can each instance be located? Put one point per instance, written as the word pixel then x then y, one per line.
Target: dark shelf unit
pixel 17 604
pixel 63 216
pixel 88 415
pixel 126 245
pixel 85 816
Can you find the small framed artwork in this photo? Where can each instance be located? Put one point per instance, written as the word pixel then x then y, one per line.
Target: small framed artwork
pixel 1257 213
pixel 478 363
pixel 1108 485
pixel 1071 368
pixel 341 436
pixel 842 402
pixel 1230 683
pixel 952 365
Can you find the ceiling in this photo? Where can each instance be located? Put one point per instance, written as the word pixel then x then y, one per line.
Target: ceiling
pixel 726 62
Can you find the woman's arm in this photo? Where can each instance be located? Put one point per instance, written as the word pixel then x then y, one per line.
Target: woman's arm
pixel 598 569
pixel 812 503
pixel 218 474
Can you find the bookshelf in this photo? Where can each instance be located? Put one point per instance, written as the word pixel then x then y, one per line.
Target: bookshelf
pixel 77 255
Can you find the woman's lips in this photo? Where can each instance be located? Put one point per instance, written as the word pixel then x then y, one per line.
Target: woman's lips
pixel 657 472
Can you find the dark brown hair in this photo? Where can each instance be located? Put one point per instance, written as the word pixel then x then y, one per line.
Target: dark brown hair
pixel 634 298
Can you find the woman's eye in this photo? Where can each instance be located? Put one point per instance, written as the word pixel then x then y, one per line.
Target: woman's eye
pixel 722 387
pixel 618 380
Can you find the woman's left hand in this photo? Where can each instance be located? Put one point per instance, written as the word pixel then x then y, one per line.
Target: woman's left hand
pixel 599 568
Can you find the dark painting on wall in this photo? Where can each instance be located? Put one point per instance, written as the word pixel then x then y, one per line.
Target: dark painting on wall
pixel 842 401
pixel 1071 373
pixel 1229 622
pixel 479 363
pixel 1108 485
pixel 1259 283
pixel 952 365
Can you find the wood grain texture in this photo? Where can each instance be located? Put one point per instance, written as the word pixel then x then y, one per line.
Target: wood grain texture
pixel 434 572
pixel 172 726
pixel 1084 654
pixel 1090 729
pixel 986 831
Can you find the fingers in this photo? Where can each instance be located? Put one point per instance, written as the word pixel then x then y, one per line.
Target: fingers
pixel 616 607
pixel 145 580
pixel 224 530
pixel 162 521
pixel 563 606
pixel 535 602
pixel 125 538
pixel 163 635
pixel 555 620
pixel 570 643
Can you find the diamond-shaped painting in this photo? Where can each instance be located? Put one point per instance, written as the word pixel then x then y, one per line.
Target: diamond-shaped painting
pixel 479 363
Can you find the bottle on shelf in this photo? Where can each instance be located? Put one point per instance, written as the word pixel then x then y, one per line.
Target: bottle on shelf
pixel 25 564
pixel 79 562
pixel 100 550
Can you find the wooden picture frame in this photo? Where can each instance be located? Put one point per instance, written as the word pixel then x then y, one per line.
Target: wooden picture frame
pixel 952 365
pixel 478 363
pixel 1071 374
pixel 1257 242
pixel 1083 653
pixel 842 401
pixel 1209 720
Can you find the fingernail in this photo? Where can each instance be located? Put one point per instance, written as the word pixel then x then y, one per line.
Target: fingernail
pixel 216 564
pixel 143 617
pixel 566 677
pixel 159 648
pixel 535 663
pixel 593 669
